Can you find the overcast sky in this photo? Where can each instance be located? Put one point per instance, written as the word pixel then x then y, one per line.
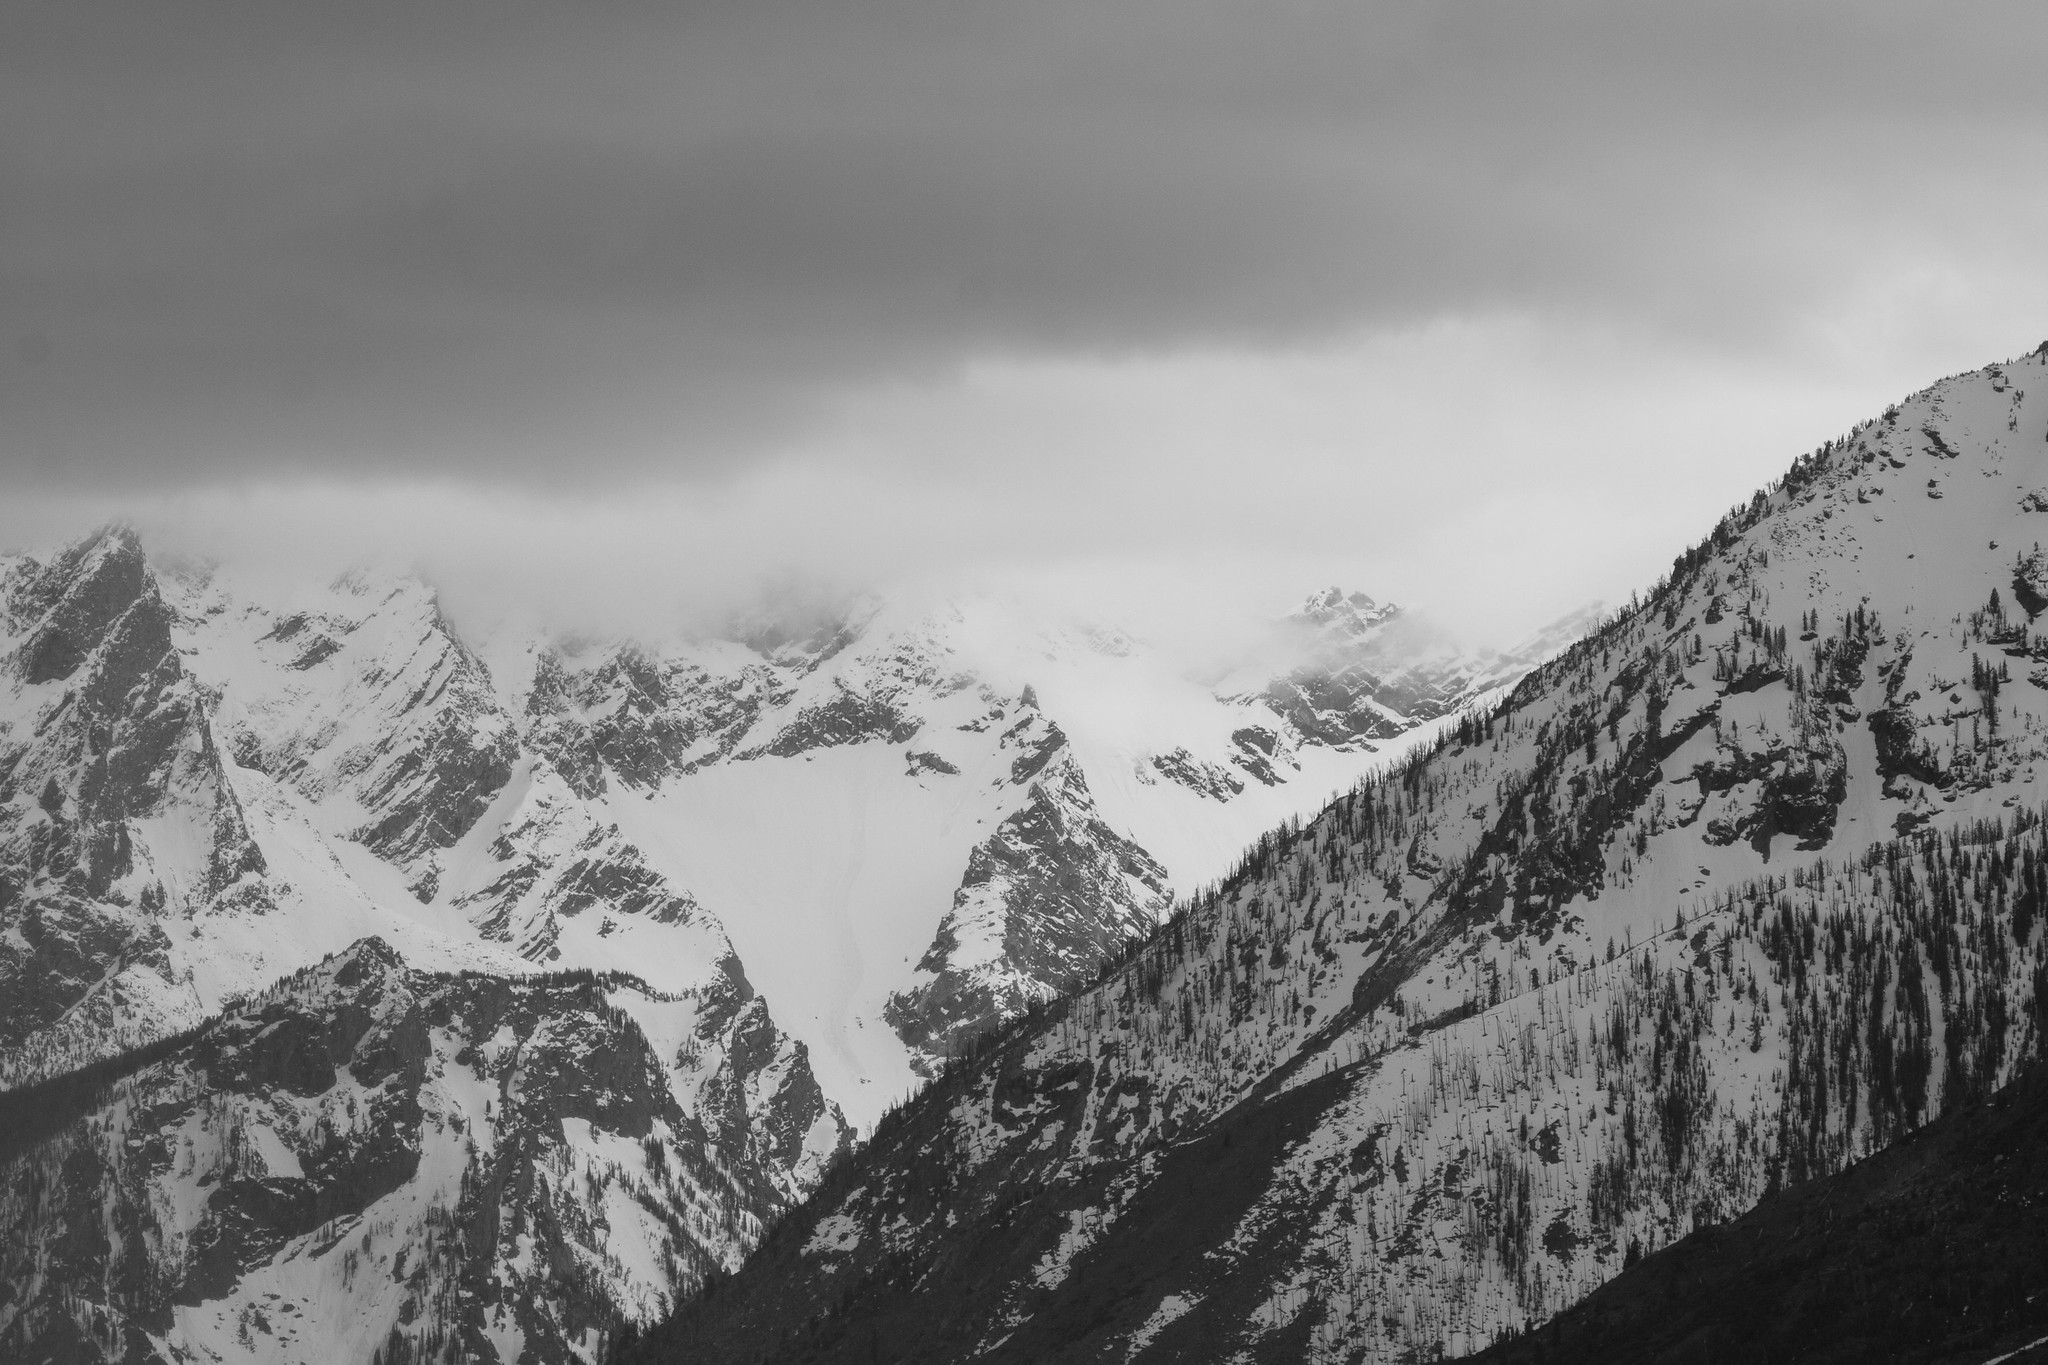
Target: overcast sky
pixel 1491 305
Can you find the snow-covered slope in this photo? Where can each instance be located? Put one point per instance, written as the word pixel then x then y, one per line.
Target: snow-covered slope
pixel 1740 888
pixel 842 795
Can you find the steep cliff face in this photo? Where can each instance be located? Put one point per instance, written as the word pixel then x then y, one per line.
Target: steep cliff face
pixel 114 811
pixel 1047 899
pixel 371 1159
pixel 1745 886
pixel 364 703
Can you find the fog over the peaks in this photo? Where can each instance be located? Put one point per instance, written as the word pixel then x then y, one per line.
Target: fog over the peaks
pixel 1181 309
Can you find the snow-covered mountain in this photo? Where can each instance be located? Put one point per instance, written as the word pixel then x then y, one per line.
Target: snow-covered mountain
pixel 772 876
pixel 1363 671
pixel 1737 890
pixel 917 818
pixel 887 809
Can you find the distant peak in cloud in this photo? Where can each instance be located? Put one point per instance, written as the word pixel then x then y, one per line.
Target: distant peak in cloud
pixel 1354 611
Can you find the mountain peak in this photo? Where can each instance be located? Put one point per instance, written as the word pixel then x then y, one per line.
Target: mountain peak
pixel 1353 613
pixel 371 952
pixel 114 538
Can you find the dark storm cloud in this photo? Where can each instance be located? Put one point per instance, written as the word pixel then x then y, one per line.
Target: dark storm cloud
pixel 511 240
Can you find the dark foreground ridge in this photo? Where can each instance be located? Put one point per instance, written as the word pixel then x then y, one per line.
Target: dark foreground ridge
pixel 1933 1251
pixel 931 1309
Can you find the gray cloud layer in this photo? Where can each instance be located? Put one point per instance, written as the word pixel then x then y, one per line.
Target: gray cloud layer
pixel 508 240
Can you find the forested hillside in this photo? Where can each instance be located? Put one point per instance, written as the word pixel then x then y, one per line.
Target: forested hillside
pixel 1933 1250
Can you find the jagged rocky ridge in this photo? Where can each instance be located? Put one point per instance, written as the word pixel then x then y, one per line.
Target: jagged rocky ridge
pixel 1742 888
pixel 572 801
pixel 1368 670
pixel 1046 900
pixel 369 1159
pixel 119 737
pixel 197 796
